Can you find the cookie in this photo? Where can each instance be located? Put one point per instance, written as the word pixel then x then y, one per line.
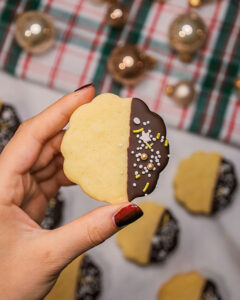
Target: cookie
pixel 53 214
pixel 189 286
pixel 80 280
pixel 152 238
pixel 205 182
pixel 115 148
pixel 9 122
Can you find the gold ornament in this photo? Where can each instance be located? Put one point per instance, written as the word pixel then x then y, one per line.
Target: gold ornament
pixel 35 32
pixel 144 156
pixel 128 64
pixel 187 34
pixel 150 166
pixel 237 86
pixel 117 15
pixel 182 93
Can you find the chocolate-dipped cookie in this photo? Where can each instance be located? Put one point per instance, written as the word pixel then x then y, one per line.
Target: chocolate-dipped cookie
pixel 80 280
pixel 53 214
pixel 189 286
pixel 9 122
pixel 115 148
pixel 152 238
pixel 205 182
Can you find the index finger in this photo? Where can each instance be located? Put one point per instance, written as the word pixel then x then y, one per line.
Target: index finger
pixel 24 148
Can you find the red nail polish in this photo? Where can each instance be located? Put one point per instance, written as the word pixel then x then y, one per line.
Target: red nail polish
pixel 83 87
pixel 127 215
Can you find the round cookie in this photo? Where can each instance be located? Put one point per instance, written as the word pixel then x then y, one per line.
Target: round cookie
pixel 80 280
pixel 152 238
pixel 189 286
pixel 53 214
pixel 204 183
pixel 115 148
pixel 9 122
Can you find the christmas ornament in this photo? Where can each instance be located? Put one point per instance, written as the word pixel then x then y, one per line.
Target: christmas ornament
pixel 182 93
pixel 187 34
pixel 197 3
pixel 128 64
pixel 237 86
pixel 117 15
pixel 35 32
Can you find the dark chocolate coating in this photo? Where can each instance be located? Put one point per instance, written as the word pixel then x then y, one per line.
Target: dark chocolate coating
pixel 226 184
pixel 9 122
pixel 89 283
pixel 165 238
pixel 210 291
pixel 53 214
pixel 140 110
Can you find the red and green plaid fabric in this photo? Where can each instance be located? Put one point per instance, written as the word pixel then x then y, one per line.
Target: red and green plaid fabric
pixel 84 43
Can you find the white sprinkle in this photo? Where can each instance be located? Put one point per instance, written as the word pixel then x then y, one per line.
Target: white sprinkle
pixel 142 145
pixel 120 145
pixel 152 150
pixel 151 136
pixel 151 144
pixel 139 142
pixel 149 130
pixel 152 156
pixel 136 121
pixel 132 152
pixel 143 172
pixel 148 122
pixel 145 194
pixel 134 184
pixel 154 139
pixel 159 156
pixel 146 171
pixel 137 135
pixel 137 148
pixel 140 166
pixel 168 155
pixel 158 164
pixel 134 165
pixel 154 169
pixel 157 152
pixel 149 175
pixel 138 159
pixel 144 123
pixel 136 155
pixel 151 160
pixel 146 147
pixel 140 148
pixel 136 172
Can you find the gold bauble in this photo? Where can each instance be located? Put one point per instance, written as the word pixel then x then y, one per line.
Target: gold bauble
pixel 187 34
pixel 128 64
pixel 182 93
pixel 117 15
pixel 35 32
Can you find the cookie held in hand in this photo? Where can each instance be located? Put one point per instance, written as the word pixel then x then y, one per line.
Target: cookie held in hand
pixel 204 183
pixel 189 286
pixel 115 148
pixel 152 238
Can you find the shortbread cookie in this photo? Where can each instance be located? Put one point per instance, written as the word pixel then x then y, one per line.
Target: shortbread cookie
pixel 115 148
pixel 53 214
pixel 189 286
pixel 80 280
pixel 9 122
pixel 204 183
pixel 152 238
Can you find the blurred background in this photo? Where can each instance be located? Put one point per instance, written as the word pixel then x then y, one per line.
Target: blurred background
pixel 183 59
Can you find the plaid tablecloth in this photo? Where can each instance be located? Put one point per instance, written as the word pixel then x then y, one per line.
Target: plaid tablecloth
pixel 84 43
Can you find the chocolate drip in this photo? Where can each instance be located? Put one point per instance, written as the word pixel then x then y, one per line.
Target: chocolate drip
pixel 9 123
pixel 89 283
pixel 210 291
pixel 165 238
pixel 153 126
pixel 225 186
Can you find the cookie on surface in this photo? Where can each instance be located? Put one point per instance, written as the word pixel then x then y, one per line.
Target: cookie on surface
pixel 152 238
pixel 204 183
pixel 9 122
pixel 189 286
pixel 80 280
pixel 53 214
pixel 115 148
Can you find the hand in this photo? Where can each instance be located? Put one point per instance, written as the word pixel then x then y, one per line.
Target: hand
pixel 31 172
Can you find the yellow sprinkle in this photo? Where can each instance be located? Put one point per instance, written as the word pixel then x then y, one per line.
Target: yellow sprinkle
pixel 146 187
pixel 138 130
pixel 158 136
pixel 137 176
pixel 149 146
pixel 166 143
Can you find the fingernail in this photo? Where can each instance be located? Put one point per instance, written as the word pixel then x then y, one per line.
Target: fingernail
pixel 127 215
pixel 83 87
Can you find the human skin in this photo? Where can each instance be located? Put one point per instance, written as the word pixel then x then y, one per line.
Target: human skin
pixel 31 172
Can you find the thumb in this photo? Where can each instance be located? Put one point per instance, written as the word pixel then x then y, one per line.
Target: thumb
pixel 76 237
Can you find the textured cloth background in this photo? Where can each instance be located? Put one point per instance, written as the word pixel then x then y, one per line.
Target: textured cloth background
pixel 84 43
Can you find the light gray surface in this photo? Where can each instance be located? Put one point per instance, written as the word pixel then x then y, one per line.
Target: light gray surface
pixel 211 246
